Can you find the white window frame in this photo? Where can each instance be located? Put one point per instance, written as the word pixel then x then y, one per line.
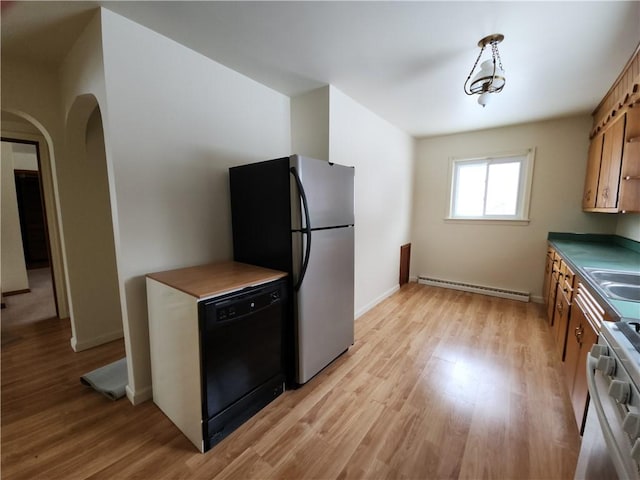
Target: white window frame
pixel 526 156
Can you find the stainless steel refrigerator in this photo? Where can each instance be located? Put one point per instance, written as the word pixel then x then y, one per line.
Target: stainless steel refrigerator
pixel 296 214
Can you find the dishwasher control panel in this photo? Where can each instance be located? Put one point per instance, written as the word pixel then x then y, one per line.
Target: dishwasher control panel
pixel 240 304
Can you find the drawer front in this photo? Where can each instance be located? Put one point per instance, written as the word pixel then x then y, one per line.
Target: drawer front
pixel 555 266
pixel 566 279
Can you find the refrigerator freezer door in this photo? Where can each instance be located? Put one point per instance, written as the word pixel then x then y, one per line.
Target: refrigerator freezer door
pixel 329 190
pixel 325 303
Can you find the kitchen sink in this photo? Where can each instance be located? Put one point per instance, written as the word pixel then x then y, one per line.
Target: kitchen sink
pixel 614 276
pixel 617 284
pixel 623 292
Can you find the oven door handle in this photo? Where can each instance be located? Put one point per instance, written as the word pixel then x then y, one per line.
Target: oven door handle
pixel 595 393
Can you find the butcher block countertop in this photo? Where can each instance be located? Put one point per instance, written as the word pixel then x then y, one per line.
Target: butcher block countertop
pixel 215 279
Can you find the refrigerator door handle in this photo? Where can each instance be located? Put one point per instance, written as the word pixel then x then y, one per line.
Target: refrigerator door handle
pixel 306 230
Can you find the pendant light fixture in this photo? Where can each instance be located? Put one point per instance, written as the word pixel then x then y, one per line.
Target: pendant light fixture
pixel 490 78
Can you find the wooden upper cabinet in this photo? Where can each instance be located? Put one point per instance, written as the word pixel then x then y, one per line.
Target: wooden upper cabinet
pixel 609 179
pixel 612 182
pixel 593 172
pixel 630 174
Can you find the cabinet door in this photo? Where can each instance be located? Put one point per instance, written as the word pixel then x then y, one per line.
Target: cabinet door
pixel 610 165
pixel 548 269
pixel 586 338
pixel 561 321
pixel 572 350
pixel 630 175
pixel 567 286
pixel 553 284
pixel 593 172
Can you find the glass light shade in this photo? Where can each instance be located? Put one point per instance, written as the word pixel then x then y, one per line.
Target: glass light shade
pixel 482 80
pixel 483 99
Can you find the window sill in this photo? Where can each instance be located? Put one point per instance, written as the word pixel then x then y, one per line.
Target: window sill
pixel 487 221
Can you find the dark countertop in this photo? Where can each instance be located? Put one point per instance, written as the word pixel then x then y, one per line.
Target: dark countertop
pixel 600 251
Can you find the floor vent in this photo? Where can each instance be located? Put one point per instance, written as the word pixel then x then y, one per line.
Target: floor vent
pixel 494 292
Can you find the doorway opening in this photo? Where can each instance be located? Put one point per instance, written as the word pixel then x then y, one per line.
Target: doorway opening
pixel 28 284
pixel 35 241
pixel 85 198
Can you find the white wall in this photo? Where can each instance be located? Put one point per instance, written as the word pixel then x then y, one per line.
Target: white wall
pixel 383 158
pixel 504 256
pixel 310 124
pixel 174 123
pixel 31 94
pixel 85 197
pixel 14 271
pixel 629 226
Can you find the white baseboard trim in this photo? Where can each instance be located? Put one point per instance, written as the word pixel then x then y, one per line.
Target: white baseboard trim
pixel 413 279
pixel 537 299
pixel 140 395
pixel 95 341
pixel 474 288
pixel 376 301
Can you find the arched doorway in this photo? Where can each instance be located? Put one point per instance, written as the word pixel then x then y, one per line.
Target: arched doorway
pixel 96 315
pixel 32 259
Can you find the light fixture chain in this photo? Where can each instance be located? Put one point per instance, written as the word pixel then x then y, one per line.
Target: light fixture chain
pixel 472 70
pixel 496 54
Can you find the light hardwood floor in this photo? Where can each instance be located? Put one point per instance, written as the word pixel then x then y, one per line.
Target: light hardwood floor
pixel 439 384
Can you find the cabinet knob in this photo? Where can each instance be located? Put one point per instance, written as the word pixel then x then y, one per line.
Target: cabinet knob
pixel 619 391
pixel 578 333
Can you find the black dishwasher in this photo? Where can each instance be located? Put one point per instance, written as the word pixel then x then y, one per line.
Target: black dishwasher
pixel 241 336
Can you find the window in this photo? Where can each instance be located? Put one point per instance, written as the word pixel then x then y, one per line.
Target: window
pixel 495 187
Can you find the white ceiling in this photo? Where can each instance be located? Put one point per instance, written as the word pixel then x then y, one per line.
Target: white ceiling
pixel 405 61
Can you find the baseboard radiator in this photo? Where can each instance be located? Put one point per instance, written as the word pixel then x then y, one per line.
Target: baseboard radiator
pixel 466 287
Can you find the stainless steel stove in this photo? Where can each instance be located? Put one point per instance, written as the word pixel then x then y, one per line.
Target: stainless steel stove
pixel 613 376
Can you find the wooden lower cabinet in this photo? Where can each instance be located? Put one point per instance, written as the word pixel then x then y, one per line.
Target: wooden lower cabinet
pixel 581 336
pixel 562 305
pixel 573 331
pixel 552 285
pixel 561 321
pixel 548 274
pixel 551 302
